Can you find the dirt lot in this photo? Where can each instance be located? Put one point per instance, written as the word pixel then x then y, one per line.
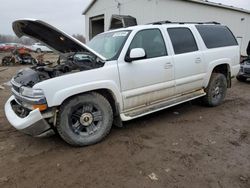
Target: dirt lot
pixel 185 146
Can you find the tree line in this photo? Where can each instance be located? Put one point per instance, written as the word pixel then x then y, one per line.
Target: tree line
pixel 29 41
pixel 14 39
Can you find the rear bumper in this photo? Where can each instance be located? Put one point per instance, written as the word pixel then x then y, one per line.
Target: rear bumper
pixel 33 124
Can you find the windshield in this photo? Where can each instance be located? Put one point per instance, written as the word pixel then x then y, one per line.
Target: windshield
pixel 109 44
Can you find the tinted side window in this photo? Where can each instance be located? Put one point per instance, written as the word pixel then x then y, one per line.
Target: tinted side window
pixel 216 36
pixel 183 40
pixel 151 41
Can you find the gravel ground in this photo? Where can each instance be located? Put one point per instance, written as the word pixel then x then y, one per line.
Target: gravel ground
pixel 185 146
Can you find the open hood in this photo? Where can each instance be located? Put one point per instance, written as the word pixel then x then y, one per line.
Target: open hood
pixel 51 36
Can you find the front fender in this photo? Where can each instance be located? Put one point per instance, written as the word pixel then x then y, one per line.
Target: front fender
pixel 212 66
pixel 58 89
pixel 60 96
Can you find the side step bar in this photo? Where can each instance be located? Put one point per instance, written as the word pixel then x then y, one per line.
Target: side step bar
pixel 129 115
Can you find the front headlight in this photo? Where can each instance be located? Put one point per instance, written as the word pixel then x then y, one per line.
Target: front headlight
pixel 34 94
pixel 31 93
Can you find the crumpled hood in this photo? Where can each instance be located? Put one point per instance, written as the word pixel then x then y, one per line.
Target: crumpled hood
pixel 51 36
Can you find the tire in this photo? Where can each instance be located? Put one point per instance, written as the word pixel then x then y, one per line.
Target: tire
pixel 241 78
pixel 33 61
pixel 4 62
pixel 85 120
pixel 216 90
pixel 38 50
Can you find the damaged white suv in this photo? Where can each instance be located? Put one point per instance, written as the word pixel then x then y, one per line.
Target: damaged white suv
pixel 121 75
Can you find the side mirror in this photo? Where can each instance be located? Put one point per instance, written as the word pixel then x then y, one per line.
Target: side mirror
pixel 136 54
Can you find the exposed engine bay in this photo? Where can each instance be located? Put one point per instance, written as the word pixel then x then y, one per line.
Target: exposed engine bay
pixel 66 64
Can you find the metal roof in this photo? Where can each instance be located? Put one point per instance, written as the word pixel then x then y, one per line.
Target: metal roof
pixel 204 2
pixel 209 3
pixel 88 7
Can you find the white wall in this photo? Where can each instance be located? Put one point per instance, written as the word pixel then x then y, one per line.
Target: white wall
pixel 146 11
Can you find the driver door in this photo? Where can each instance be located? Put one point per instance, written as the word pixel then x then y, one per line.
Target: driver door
pixel 148 80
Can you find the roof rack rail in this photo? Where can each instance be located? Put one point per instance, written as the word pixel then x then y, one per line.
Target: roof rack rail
pixel 169 22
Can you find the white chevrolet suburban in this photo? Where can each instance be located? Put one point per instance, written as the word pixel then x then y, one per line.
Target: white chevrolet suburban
pixel 120 75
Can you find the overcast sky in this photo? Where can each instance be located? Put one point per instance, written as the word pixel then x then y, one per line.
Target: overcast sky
pixel 64 14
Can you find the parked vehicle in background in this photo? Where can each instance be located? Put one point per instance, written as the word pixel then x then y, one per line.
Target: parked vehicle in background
pixel 8 47
pixel 244 73
pixel 119 76
pixel 38 48
pixel 2 47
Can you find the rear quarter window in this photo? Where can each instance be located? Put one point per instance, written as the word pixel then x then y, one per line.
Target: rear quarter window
pixel 216 36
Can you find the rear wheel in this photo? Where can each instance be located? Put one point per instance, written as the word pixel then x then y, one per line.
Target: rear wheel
pixel 85 119
pixel 216 90
pixel 38 50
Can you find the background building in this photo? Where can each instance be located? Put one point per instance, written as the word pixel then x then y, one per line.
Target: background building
pixel 98 15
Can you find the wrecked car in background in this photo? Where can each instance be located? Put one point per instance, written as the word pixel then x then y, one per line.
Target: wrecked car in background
pixel 19 56
pixel 121 75
pixel 244 73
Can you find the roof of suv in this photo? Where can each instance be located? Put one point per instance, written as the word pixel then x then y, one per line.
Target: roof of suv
pixel 162 23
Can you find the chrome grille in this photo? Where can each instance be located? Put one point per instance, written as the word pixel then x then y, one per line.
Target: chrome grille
pixel 17 89
pixel 15 86
pixel 247 70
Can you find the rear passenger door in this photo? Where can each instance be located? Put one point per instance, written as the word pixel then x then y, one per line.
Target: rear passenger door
pixel 188 60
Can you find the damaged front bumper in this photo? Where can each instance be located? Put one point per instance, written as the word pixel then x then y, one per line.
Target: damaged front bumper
pixel 242 74
pixel 33 124
pixel 244 71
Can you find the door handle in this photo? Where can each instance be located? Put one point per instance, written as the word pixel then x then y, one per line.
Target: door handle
pixel 168 65
pixel 198 60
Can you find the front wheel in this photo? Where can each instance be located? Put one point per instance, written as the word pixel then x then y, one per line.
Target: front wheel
pixel 85 119
pixel 216 90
